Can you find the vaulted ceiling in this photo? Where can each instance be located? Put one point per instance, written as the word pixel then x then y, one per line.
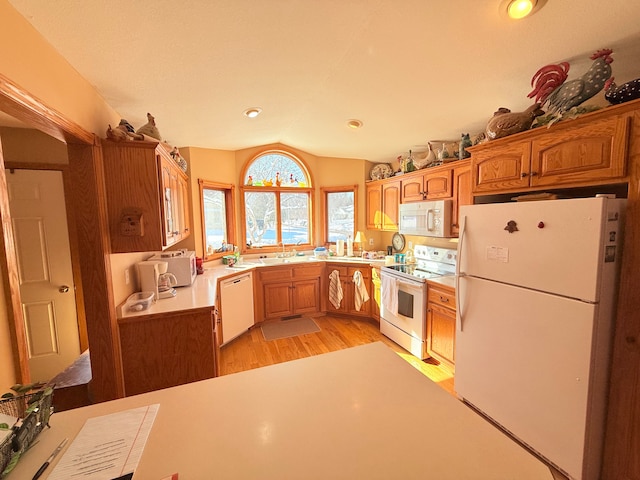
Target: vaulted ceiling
pixel 410 70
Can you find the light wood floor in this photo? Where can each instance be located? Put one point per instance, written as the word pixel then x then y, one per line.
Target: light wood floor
pixel 251 350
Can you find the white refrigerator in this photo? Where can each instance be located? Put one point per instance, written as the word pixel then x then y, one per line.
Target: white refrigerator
pixel 536 299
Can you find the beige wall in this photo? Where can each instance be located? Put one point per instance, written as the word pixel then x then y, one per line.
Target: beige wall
pixel 33 64
pixel 32 146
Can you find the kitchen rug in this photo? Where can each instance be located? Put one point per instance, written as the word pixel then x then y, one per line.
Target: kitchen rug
pixel 289 328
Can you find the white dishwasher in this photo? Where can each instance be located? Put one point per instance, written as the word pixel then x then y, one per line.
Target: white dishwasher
pixel 236 299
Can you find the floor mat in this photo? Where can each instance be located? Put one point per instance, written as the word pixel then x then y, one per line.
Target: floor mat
pixel 289 328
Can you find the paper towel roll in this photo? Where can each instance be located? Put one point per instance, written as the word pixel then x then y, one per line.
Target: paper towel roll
pixel 340 248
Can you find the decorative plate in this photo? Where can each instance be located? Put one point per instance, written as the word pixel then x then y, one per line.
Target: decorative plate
pixel 380 171
pixel 398 242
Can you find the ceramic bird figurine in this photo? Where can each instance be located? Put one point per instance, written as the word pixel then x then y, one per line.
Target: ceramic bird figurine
pixel 117 134
pixel 551 89
pixel 149 129
pixel 624 93
pixel 423 161
pixel 127 126
pixel 505 122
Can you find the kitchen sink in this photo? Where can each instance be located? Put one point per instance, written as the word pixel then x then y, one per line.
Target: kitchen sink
pixel 280 260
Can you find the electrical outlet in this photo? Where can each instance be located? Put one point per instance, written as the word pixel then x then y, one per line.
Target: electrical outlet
pixel 410 244
pixel 126 276
pixel 371 242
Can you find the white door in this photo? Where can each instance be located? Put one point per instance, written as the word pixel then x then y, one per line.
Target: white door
pixel 36 201
pixel 525 359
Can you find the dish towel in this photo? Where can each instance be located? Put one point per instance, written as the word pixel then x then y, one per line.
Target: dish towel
pixel 389 292
pixel 360 292
pixel 335 289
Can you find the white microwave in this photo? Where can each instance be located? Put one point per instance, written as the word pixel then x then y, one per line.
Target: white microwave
pixel 181 263
pixel 426 219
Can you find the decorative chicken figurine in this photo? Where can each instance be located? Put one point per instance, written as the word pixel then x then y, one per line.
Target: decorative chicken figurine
pixel 623 93
pixel 550 87
pixel 505 122
pixel 150 128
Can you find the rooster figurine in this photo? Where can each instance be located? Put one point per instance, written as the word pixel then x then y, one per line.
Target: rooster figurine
pixel 549 85
pixel 624 93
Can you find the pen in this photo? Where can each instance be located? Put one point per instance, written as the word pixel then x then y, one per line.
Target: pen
pixel 50 459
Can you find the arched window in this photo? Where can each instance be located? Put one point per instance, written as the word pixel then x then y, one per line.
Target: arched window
pixel 276 204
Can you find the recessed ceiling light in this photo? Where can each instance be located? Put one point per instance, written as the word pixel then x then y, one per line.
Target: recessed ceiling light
pixel 518 9
pixel 252 112
pixel 355 124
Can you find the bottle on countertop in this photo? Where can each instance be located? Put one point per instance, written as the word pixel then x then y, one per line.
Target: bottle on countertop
pixel 349 246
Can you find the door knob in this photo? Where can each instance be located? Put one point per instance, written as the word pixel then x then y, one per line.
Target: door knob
pixel 63 288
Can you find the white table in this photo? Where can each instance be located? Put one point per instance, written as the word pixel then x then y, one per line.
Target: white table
pixel 360 413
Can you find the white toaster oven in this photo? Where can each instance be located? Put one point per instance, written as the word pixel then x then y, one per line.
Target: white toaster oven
pixel 181 263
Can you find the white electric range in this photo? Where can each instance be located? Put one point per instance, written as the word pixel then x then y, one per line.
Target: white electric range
pixel 403 293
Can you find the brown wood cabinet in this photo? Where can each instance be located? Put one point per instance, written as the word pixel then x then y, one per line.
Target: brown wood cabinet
pixel 462 194
pixel 383 198
pixel 587 151
pixel 147 196
pixel 347 306
pixel 164 350
pixel 443 182
pixel 432 184
pixel 287 290
pixel 441 324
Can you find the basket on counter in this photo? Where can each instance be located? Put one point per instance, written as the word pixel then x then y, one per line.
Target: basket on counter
pixel 33 411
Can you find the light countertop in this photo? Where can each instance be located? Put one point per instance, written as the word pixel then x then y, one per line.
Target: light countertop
pixel 202 293
pixel 362 412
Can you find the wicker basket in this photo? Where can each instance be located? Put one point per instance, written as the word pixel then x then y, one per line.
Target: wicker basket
pixel 33 410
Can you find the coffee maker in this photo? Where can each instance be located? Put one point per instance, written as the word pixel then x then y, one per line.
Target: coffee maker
pixel 154 278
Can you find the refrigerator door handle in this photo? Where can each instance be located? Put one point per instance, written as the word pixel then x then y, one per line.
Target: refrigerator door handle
pixel 463 225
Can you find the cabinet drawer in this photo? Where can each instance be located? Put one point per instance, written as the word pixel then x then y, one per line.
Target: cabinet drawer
pixel 366 271
pixel 276 274
pixel 446 298
pixel 342 269
pixel 307 271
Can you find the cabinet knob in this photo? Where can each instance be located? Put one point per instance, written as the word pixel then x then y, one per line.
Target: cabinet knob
pixel 533 174
pixel 524 174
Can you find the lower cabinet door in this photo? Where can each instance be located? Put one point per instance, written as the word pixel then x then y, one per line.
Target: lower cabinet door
pixel 306 296
pixel 277 300
pixel 441 325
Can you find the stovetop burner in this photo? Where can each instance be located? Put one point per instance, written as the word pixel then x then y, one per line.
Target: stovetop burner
pixel 431 262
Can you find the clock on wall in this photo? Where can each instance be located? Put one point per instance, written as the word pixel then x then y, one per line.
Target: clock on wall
pixel 398 242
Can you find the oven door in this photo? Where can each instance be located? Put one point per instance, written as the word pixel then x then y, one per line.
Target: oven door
pixel 407 326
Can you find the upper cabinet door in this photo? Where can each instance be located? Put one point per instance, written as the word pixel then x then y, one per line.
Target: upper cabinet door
pixel 438 184
pixel 592 151
pixel 503 167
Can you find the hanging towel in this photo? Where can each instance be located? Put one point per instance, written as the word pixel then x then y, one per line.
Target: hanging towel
pixel 360 291
pixel 335 289
pixel 389 292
